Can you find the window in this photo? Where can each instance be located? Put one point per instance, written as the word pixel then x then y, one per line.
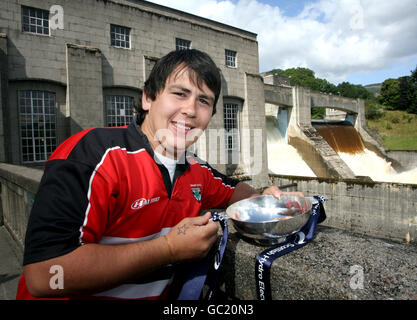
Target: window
pixel 35 20
pixel 119 110
pixel 37 115
pixel 230 58
pixel 120 36
pixel 181 44
pixel 231 126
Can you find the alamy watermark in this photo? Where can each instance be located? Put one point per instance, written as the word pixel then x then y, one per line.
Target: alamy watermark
pixel 357 279
pixel 210 145
pixel 57 280
pixel 56 17
pixel 357 19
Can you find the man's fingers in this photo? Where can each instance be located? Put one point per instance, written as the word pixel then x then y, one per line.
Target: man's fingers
pixel 201 220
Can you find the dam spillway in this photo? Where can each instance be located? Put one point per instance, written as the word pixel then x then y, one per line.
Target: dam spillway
pixel 283 158
pixel 341 137
pixel 347 142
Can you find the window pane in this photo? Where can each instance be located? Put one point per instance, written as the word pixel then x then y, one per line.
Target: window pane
pixel 37 124
pixel 230 58
pixel 231 125
pixel 35 20
pixel 119 110
pixel 119 36
pixel 181 44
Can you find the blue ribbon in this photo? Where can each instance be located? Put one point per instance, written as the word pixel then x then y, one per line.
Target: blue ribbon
pixel 210 265
pixel 293 242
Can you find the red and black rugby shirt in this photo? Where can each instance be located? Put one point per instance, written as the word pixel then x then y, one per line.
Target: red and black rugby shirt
pixel 103 186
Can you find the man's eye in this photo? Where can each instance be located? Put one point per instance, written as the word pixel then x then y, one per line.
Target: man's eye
pixel 203 101
pixel 180 94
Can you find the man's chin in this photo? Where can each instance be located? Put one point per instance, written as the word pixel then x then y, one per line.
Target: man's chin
pixel 174 152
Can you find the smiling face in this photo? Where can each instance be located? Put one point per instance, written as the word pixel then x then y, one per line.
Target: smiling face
pixel 179 114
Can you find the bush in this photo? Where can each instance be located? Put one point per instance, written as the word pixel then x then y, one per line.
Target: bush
pixel 372 111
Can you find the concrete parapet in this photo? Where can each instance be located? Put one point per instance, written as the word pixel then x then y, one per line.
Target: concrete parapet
pixel 3 92
pixel 407 158
pixel 319 99
pixel 335 265
pixel 18 188
pixel 378 209
pixel 278 95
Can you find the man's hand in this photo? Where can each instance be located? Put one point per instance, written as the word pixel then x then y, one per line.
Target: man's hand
pixel 275 191
pixel 192 238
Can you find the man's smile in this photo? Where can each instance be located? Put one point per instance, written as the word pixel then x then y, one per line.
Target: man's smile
pixel 182 126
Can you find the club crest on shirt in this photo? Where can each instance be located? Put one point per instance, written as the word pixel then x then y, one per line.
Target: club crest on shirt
pixel 196 190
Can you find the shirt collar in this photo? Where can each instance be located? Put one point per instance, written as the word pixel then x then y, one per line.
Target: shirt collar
pixel 183 162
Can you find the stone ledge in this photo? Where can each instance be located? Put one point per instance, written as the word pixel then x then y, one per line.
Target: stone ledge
pixel 322 268
pixel 25 177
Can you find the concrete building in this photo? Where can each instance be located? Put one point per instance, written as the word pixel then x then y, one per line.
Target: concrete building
pixel 68 65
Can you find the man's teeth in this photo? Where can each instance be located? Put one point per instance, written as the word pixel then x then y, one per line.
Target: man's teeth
pixel 181 126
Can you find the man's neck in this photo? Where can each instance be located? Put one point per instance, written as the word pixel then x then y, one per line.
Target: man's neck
pixel 157 146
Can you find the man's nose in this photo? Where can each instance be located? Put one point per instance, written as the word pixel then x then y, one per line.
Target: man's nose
pixel 189 107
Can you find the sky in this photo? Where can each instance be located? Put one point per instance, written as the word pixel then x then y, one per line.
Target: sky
pixel 359 41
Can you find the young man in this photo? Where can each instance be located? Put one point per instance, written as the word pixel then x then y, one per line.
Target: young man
pixel 117 207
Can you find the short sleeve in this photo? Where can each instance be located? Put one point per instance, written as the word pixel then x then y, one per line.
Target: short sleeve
pixel 218 189
pixel 59 210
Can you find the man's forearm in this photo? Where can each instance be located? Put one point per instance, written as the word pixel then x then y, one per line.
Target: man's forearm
pixel 93 268
pixel 242 191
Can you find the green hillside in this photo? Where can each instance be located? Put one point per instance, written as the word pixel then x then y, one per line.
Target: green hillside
pixel 397 129
pixel 375 89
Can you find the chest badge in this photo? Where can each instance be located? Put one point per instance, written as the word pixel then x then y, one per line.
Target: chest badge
pixel 196 190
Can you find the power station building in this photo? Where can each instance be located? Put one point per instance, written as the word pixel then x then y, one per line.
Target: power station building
pixel 69 65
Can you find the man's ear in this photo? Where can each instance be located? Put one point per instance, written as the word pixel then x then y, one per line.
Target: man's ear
pixel 146 101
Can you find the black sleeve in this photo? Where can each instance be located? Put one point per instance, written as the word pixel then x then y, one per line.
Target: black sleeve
pixel 58 211
pixel 225 179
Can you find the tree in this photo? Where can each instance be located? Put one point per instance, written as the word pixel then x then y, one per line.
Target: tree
pixel 390 93
pixel 305 77
pixel 298 76
pixel 403 99
pixel 353 91
pixel 412 92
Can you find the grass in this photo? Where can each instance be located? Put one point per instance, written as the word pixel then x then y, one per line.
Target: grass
pixel 398 129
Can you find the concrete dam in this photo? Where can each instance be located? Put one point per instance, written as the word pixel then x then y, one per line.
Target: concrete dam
pixel 371 191
pixel 336 148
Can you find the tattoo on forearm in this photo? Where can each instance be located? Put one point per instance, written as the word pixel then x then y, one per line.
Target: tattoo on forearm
pixel 181 230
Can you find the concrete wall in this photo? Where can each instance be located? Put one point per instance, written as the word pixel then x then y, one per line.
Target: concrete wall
pixel 319 99
pixel 408 159
pixel 278 95
pixel 3 92
pixel 87 23
pixel 383 210
pixel 84 88
pixel 253 149
pixel 18 188
pixel 80 60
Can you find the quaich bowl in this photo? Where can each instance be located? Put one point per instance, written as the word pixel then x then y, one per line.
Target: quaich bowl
pixel 268 220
